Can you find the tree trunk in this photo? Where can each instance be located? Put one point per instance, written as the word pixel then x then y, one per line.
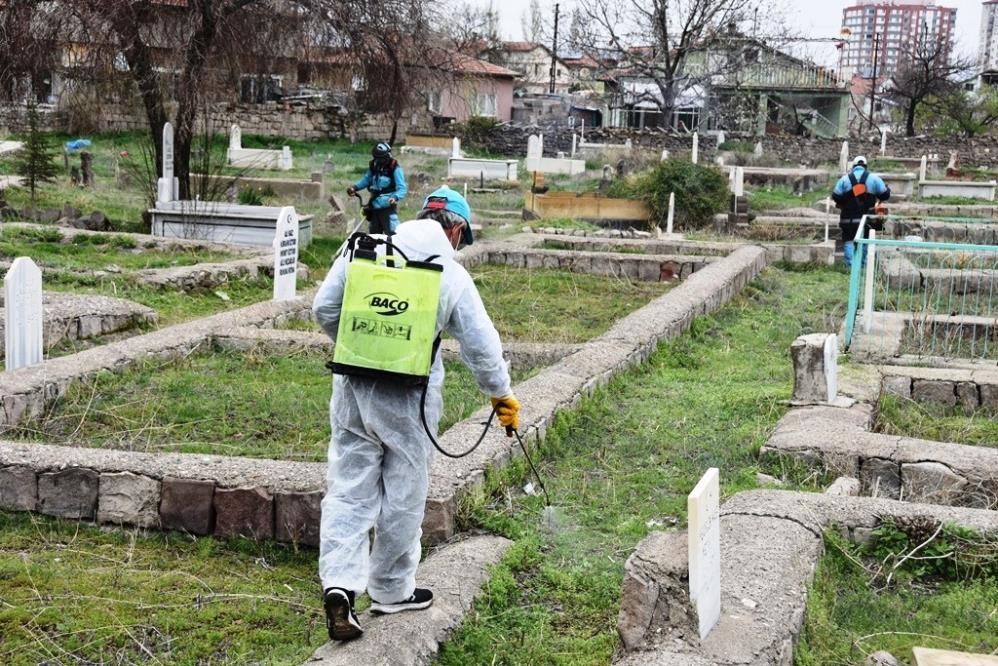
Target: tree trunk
pixel 909 125
pixel 188 97
pixel 147 81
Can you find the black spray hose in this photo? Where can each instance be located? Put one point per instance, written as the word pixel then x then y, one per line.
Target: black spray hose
pixel 510 431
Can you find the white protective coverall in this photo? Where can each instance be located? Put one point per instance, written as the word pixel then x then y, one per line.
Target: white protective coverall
pixel 379 454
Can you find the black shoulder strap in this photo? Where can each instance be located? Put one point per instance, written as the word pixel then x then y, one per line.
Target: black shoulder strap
pixel 852 179
pixel 866 174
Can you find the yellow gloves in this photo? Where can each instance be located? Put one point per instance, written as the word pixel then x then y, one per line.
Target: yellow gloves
pixel 508 411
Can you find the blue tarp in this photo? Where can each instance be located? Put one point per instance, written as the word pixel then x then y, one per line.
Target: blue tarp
pixel 76 144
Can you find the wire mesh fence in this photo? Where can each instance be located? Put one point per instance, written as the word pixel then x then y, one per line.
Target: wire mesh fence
pixel 918 298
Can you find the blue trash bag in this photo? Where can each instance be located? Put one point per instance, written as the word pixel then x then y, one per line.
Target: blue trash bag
pixel 77 144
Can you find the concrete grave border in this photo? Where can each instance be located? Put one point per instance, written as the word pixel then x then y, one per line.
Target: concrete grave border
pixel 838 440
pixel 248 261
pixel 771 543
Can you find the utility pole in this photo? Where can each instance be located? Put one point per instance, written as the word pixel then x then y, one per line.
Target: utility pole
pixel 873 86
pixel 554 51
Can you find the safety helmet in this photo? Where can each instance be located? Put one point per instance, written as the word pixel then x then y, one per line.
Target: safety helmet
pixel 381 151
pixel 860 160
pixel 452 201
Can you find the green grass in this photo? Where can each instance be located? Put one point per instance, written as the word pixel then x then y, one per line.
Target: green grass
pixel 72 593
pixel 547 305
pixel 265 406
pixel 541 305
pixel 907 418
pixel 776 198
pixel 851 613
pixel 622 464
pixel 50 248
pixel 563 223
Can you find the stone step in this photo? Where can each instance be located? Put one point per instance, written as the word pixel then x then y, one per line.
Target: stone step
pixel 454 573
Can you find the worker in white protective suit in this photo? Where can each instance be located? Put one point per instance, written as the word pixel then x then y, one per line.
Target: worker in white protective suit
pixel 379 454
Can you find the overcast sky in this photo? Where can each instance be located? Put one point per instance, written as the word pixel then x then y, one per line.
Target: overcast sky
pixel 816 18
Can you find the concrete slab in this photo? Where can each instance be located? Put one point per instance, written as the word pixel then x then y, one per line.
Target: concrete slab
pixel 929 657
pixel 455 573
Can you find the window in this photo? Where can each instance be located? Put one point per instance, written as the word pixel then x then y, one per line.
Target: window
pixel 486 105
pixel 433 102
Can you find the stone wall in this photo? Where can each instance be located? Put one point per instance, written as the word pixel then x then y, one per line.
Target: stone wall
pixel 512 140
pixel 299 121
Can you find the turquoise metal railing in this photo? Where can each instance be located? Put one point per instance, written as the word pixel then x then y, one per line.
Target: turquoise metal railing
pixel 945 295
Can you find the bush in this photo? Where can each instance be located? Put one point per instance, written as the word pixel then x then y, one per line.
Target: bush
pixel 477 129
pixel 250 196
pixel 737 147
pixel 701 192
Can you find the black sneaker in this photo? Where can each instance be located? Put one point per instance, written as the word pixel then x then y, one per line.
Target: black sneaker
pixel 419 600
pixel 341 620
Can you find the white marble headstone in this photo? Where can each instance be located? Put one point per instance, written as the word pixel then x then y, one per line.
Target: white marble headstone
pixel 704 534
pixel 286 255
pixel 883 141
pixel 844 157
pixel 758 149
pixel 671 219
pixel 739 184
pixel 665 155
pixel 23 306
pixel 923 169
pixel 456 148
pixel 166 187
pixel 575 143
pixel 286 163
pixel 235 138
pixel 695 156
pixel 535 146
pixel 832 366
pixel 721 138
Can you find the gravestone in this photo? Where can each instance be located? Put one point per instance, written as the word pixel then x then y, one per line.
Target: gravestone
pixel 535 146
pixel 758 149
pixel 286 255
pixel 721 139
pixel 456 148
pixel 286 162
pixel 665 155
pixel 695 155
pixel 704 534
pixel 815 360
pixel 883 142
pixel 844 157
pixel 575 143
pixel 670 220
pixel 739 182
pixel 235 138
pixel 167 186
pixel 23 306
pixel 923 169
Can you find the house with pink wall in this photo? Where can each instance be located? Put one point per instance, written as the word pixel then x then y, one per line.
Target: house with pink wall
pixel 474 88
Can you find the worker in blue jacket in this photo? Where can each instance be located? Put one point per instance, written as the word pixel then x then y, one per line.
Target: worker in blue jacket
pixel 386 182
pixel 857 193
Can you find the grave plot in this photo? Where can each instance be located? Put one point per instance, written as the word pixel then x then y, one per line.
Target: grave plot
pixel 923 302
pixel 551 306
pixel 223 403
pixel 76 593
pixel 866 597
pixel 178 279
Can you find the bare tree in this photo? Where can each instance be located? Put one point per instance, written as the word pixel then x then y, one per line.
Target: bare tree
pixel 532 22
pixel 176 57
pixel 474 29
pixel 926 70
pixel 676 45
